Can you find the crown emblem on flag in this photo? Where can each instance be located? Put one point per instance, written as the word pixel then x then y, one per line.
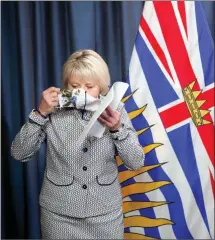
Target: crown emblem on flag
pixel 194 105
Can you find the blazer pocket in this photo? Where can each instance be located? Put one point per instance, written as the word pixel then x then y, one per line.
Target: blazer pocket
pixel 107 178
pixel 59 180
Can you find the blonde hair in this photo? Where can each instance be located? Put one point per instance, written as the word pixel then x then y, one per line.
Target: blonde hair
pixel 87 63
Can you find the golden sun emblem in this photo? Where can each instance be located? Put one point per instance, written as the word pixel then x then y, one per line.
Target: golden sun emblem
pixel 140 188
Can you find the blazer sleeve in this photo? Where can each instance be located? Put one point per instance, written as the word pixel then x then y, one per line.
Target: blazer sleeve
pixel 127 143
pixel 29 139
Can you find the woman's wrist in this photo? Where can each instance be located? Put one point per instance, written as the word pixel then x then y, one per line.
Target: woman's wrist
pixel 41 113
pixel 119 134
pixel 37 118
pixel 116 129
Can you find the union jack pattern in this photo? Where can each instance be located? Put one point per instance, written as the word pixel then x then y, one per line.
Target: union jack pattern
pixel 171 104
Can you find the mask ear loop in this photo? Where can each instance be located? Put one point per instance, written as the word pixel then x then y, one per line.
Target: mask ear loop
pixel 83 111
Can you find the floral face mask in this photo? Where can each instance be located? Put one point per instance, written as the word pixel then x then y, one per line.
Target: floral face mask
pixel 79 99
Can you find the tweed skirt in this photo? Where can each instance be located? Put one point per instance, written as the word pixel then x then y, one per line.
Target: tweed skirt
pixel 56 226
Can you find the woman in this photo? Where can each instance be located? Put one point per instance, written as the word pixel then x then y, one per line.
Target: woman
pixel 81 195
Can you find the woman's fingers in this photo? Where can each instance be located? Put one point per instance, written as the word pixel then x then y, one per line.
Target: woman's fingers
pixel 49 100
pixel 105 122
pixel 55 99
pixel 110 118
pixel 53 94
pixel 53 89
pixel 108 114
pixel 110 111
pixel 102 120
pixel 105 116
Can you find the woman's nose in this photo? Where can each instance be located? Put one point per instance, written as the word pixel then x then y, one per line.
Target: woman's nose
pixel 85 88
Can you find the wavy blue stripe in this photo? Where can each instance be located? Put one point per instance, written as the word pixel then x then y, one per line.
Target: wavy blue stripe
pixel 170 192
pixel 206 45
pixel 184 150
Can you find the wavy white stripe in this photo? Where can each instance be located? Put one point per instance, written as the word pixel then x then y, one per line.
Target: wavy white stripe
pixel 204 163
pixel 166 152
pixel 150 16
pixel 166 231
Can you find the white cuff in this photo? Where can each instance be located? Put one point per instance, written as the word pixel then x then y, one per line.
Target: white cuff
pixel 37 119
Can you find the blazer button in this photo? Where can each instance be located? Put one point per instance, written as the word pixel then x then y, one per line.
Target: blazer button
pixel 84 168
pixel 84 186
pixel 85 149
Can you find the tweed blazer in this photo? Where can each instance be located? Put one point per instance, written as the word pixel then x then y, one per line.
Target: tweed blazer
pixel 79 180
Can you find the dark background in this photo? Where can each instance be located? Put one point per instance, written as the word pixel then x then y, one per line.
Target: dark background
pixel 37 38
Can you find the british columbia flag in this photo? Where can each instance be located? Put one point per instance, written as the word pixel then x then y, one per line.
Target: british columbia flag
pixel 171 104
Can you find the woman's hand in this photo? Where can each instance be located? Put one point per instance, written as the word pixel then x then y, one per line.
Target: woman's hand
pixel 111 119
pixel 49 100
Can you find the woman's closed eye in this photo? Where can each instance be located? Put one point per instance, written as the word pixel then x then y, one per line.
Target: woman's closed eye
pixel 90 86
